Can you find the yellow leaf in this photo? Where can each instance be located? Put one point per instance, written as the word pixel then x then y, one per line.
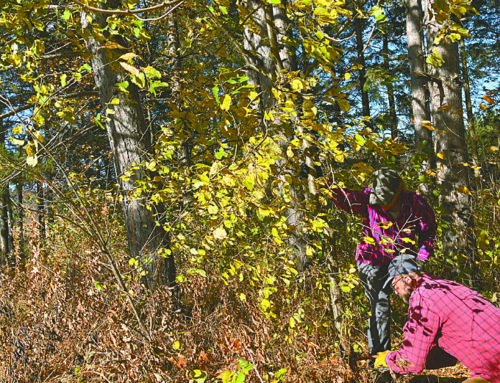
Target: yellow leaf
pixel 29 150
pixel 32 161
pixel 441 155
pixel 464 190
pixel 369 240
pixel 489 100
pixel 297 84
pixel 18 129
pixel 226 104
pixel 482 106
pixel 130 68
pixel 220 233
pixel 38 136
pixel 113 45
pixel 127 56
pixel 347 76
pixel 226 376
pixel 492 149
pixel 344 105
pixel 428 125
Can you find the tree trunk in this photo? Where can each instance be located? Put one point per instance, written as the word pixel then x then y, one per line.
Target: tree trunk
pixel 390 90
pixel 5 241
pixel 471 123
pixel 365 101
pixel 420 98
pixel 130 144
pixel 451 147
pixel 4 213
pixel 271 59
pixel 40 207
pixel 20 213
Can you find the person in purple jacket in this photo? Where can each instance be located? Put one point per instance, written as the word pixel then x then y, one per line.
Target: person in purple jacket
pixel 447 322
pixel 395 221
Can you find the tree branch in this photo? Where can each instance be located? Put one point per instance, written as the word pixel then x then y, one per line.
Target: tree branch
pixel 28 106
pixel 130 12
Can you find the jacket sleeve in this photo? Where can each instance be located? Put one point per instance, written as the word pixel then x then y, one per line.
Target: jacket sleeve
pixel 426 227
pixel 419 338
pixel 352 201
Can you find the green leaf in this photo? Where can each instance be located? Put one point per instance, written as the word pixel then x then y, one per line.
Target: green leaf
pixel 66 15
pixel 16 141
pixel 198 376
pixel 359 140
pixel 343 104
pixel 215 91
pixel 152 72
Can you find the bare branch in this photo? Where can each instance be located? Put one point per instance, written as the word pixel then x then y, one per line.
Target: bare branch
pixel 130 12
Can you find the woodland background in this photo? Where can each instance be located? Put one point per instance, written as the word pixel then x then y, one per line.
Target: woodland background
pixel 163 212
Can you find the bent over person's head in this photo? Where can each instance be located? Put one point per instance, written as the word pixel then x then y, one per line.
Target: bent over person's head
pixel 403 273
pixel 386 186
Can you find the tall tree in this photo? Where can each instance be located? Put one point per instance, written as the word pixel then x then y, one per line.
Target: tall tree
pixel 129 137
pixel 450 141
pixel 418 82
pixel 360 49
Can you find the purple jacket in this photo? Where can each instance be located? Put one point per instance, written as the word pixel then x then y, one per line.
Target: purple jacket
pixel 446 316
pixel 385 237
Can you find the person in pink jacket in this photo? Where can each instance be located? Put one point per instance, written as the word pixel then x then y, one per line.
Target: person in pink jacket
pixel 447 322
pixel 395 221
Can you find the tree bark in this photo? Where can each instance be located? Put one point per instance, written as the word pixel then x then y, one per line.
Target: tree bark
pixel 390 89
pixel 130 144
pixel 450 146
pixel 471 122
pixel 365 101
pixel 420 97
pixel 40 207
pixel 20 201
pixel 5 236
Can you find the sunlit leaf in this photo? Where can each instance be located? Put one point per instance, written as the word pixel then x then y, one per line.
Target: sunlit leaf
pixel 464 190
pixel 220 233
pixel 226 103
pixel 130 68
pixel 489 100
pixel 441 155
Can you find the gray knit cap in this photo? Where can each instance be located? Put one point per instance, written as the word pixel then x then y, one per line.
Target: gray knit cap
pixel 386 182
